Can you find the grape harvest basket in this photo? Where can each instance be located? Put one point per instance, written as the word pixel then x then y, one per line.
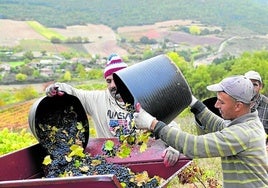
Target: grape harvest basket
pixel 22 168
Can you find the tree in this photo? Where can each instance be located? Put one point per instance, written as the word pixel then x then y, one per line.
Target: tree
pixel 26 93
pixel 44 52
pixel 179 61
pixel 21 77
pixel 95 74
pixel 80 69
pixel 55 40
pixel 36 73
pixel 67 76
pixel 198 79
pixel 26 70
pixel 28 55
pixel 148 53
pixel 194 30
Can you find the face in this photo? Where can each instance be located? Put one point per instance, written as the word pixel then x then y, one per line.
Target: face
pixel 257 86
pixel 112 87
pixel 227 106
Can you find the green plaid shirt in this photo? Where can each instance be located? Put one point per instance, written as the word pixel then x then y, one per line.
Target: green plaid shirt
pixel 262 106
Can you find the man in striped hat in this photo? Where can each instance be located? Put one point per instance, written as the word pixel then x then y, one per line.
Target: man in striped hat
pixel 102 105
pixel 114 63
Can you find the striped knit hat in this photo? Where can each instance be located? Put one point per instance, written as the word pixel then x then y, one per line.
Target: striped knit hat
pixel 114 63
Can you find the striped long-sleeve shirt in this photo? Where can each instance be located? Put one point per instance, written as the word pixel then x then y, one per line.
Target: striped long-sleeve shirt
pixel 240 144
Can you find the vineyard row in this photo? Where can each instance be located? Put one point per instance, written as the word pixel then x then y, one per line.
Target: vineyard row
pixel 15 116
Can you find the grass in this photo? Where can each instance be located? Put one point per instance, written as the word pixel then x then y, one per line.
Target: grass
pixel 14 64
pixel 37 45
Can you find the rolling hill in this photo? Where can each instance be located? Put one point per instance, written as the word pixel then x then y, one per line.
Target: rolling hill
pixel 248 14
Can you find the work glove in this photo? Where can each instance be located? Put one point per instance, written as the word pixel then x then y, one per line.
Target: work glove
pixel 194 100
pixel 142 119
pixel 171 156
pixel 53 90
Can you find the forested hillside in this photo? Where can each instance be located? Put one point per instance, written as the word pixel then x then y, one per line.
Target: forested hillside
pixel 249 14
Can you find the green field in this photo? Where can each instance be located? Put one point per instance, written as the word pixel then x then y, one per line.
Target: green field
pixel 44 31
pixel 16 63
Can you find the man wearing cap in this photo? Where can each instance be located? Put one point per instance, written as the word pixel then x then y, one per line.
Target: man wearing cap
pixel 105 106
pixel 240 144
pixel 261 101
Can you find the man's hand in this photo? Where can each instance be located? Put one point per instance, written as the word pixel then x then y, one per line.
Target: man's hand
pixel 53 90
pixel 171 156
pixel 143 119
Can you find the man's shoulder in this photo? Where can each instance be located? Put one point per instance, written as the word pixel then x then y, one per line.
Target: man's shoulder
pixel 264 98
pixel 101 93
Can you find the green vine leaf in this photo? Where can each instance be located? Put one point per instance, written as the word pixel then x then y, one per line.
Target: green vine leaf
pixel 76 150
pixel 124 151
pixel 77 163
pixel 47 160
pixel 80 127
pixel 143 147
pixel 109 145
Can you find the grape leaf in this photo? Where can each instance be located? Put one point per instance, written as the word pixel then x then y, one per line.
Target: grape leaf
pixel 76 150
pixel 47 160
pixel 143 147
pixel 95 162
pixel 141 178
pixel 80 127
pixel 143 137
pixel 77 163
pixel 124 151
pixel 84 168
pixel 68 159
pixel 109 145
pixel 131 139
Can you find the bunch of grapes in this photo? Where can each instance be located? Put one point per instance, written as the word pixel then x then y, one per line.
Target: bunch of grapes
pixel 62 137
pixel 59 130
pixel 97 165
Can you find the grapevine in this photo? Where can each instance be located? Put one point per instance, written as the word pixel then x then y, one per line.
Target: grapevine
pixel 15 115
pixel 14 139
pixel 193 174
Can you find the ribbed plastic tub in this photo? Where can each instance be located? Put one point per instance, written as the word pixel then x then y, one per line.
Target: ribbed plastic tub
pixel 157 84
pixel 49 105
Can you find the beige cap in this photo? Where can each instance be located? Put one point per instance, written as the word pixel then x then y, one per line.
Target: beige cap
pixel 238 87
pixel 253 75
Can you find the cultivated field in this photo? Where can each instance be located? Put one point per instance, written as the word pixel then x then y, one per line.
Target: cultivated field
pixel 12 32
pixel 103 40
